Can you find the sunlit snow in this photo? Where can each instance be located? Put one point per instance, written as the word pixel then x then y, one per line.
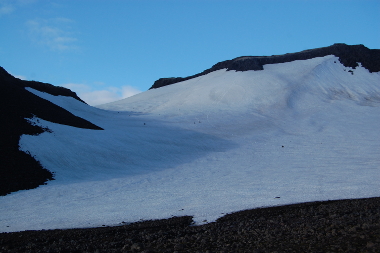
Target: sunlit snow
pixel 223 142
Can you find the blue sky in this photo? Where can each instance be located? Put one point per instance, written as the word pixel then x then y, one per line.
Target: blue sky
pixel 108 50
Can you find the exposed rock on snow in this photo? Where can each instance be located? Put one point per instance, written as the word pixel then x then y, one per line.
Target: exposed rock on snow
pixel 5 77
pixel 155 159
pixel 349 56
pixel 19 171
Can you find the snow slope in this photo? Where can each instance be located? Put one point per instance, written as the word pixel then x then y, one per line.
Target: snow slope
pixel 300 131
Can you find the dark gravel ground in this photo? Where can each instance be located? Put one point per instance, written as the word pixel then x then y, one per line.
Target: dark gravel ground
pixel 332 226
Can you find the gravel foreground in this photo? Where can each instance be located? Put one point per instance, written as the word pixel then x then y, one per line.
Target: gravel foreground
pixel 330 226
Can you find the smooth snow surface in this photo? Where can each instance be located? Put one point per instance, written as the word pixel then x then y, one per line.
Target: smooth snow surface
pixel 226 141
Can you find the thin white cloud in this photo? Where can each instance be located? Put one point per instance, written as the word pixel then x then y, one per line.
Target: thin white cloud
pixel 26 2
pixel 128 91
pixel 102 96
pixel 5 8
pixel 9 6
pixel 99 97
pixel 55 33
pixel 20 77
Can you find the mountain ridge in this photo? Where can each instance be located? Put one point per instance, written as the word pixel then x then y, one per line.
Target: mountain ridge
pixel 40 86
pixel 349 56
pixel 282 124
pixel 20 170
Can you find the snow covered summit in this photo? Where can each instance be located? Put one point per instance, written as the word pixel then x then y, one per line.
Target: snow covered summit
pixel 223 141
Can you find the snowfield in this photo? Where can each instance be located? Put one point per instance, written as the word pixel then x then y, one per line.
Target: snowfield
pixel 300 131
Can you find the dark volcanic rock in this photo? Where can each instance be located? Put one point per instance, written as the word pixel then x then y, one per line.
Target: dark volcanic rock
pixel 330 226
pixel 349 56
pixel 18 170
pixel 43 87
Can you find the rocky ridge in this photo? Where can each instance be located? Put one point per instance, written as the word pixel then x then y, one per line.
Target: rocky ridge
pixel 332 226
pixel 5 77
pixel 19 170
pixel 349 56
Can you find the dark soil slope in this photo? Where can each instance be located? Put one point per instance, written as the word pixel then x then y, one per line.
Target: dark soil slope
pixel 331 226
pixel 348 55
pixel 18 170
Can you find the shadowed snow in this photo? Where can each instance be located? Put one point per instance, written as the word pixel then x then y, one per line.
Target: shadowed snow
pixel 226 141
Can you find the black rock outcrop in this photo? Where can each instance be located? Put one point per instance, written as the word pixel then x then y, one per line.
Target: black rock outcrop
pixel 43 87
pixel 19 170
pixel 349 56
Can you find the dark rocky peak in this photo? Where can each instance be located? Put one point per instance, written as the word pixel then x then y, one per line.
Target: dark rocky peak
pixel 16 101
pixel 19 170
pixel 349 56
pixel 5 77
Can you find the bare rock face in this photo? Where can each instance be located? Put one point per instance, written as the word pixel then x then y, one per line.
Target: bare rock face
pixel 349 56
pixel 5 77
pixel 19 170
